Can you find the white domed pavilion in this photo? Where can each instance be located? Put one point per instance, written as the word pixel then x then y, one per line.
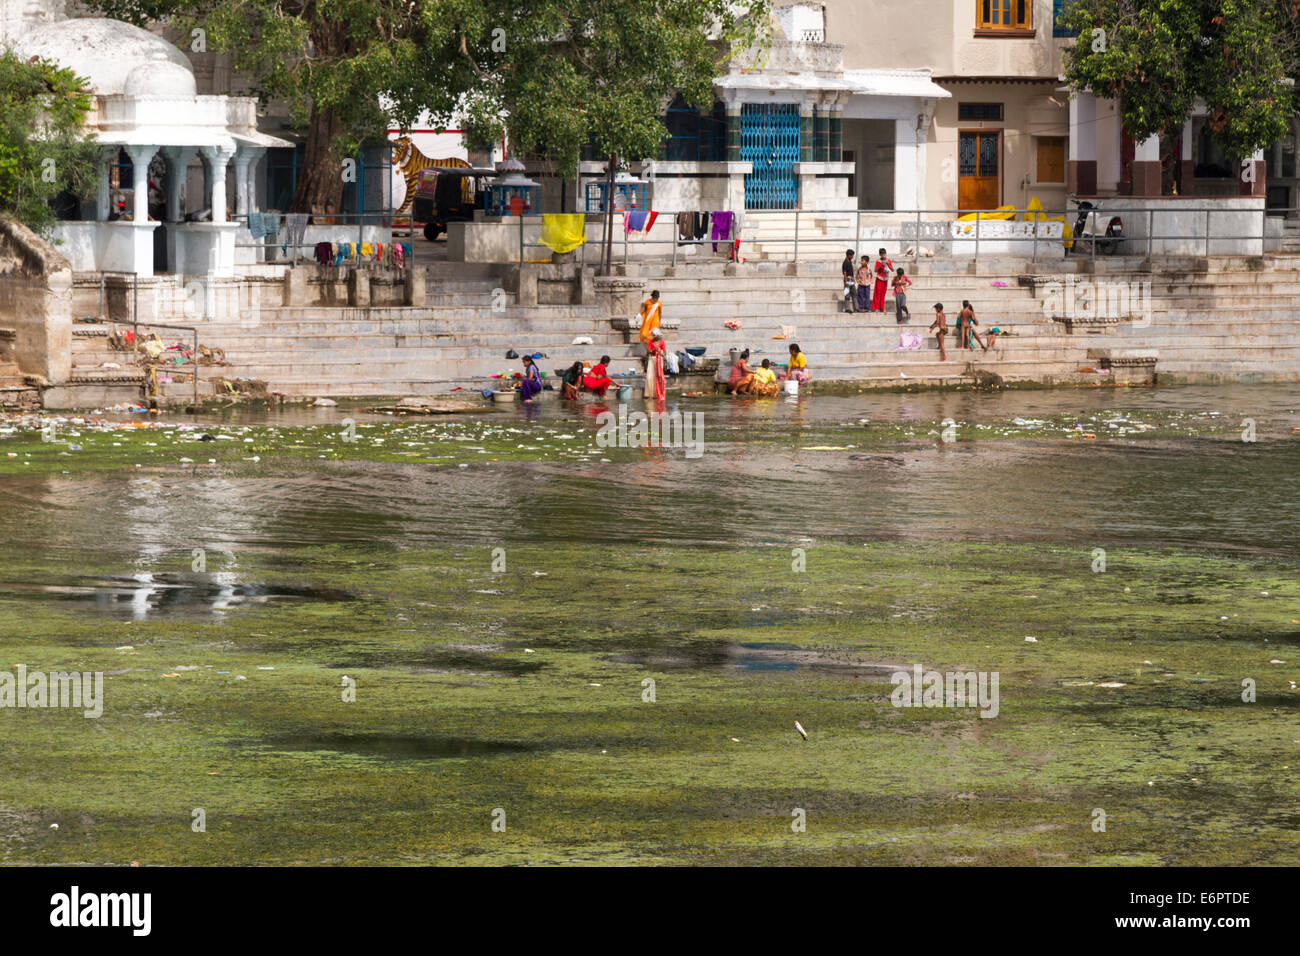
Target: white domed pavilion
pixel 145 104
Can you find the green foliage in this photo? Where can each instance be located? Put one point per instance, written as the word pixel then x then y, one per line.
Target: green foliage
pixel 1157 58
pixel 42 140
pixel 558 74
pixel 599 72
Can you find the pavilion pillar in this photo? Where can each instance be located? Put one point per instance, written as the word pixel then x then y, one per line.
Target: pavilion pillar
pixel 243 157
pixel 218 157
pixel 104 172
pixel 178 162
pixel 140 159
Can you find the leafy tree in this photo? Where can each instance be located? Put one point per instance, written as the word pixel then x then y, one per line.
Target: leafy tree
pixel 564 74
pixel 1157 57
pixel 555 75
pixel 330 61
pixel 43 148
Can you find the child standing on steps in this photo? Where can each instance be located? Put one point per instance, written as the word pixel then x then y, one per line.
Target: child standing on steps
pixel 884 266
pixel 940 328
pixel 863 276
pixel 901 282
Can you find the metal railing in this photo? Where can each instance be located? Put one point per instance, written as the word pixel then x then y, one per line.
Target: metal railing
pixel 383 220
pixel 194 353
pixel 136 323
pixel 1148 230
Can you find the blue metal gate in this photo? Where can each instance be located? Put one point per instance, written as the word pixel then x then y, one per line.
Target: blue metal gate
pixel 769 138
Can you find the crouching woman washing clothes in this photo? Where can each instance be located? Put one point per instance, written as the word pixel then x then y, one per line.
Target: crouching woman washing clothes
pixel 531 385
pixel 598 380
pixel 798 366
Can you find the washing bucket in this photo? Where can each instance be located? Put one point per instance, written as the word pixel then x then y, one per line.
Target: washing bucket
pixel 505 396
pixel 624 393
pixel 792 386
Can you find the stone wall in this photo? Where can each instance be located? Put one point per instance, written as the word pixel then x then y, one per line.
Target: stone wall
pixel 36 302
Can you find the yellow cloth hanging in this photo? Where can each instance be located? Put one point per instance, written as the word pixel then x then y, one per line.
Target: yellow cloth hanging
pixel 564 232
pixel 1002 212
pixel 1034 213
pixel 365 250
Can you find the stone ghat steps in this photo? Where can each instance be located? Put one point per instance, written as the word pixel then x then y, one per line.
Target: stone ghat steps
pixel 320 371
pixel 323 363
pixel 754 326
pixel 964 287
pixel 11 376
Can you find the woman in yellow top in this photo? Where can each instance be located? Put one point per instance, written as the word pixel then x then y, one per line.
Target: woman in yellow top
pixel 798 367
pixel 764 382
pixel 650 313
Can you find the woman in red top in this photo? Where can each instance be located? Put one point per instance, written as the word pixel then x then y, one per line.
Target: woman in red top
pixel 655 383
pixel 883 269
pixel 597 380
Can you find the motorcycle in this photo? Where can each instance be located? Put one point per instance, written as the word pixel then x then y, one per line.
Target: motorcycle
pixel 1087 228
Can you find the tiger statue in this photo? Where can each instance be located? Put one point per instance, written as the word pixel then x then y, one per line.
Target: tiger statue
pixel 411 162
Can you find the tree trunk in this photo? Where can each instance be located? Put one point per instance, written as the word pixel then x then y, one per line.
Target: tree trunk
pixel 609 214
pixel 320 177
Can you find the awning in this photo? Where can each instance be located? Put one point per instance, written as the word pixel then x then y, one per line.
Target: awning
pixel 895 83
pixel 256 138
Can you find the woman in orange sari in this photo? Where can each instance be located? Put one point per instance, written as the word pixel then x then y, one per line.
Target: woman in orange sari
pixel 651 311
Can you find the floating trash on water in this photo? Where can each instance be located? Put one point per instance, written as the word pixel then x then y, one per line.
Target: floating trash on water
pixel 799 727
pixel 1031 640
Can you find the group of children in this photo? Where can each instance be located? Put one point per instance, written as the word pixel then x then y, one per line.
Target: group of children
pixel 875 280
pixel 966 333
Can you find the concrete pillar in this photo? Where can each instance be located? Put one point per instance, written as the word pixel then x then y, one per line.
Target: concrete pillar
pixel 103 195
pixel 1254 175
pixel 1187 172
pixel 805 125
pixel 836 127
pixel 733 131
pixel 414 286
pixel 178 162
pixel 295 287
pixel 821 133
pixel 906 151
pixel 1081 167
pixel 217 158
pixel 358 288
pixel 241 160
pixel 1146 167
pixel 140 158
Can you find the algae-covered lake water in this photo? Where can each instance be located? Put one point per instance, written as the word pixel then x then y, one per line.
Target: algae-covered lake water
pixel 561 652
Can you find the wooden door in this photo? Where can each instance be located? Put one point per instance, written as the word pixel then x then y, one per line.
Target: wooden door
pixel 978 182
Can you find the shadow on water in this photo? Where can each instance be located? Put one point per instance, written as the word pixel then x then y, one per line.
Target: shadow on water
pixel 391 746
pixel 432 660
pixel 148 595
pixel 752 657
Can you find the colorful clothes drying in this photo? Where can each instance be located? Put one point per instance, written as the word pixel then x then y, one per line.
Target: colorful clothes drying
pixel 563 232
pixel 721 227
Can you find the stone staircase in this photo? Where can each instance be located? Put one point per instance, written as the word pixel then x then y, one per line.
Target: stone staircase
pixel 1208 321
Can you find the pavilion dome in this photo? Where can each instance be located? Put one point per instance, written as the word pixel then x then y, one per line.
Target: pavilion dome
pixel 159 77
pixel 106 52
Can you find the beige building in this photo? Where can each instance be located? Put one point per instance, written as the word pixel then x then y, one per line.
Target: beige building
pixel 1000 135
